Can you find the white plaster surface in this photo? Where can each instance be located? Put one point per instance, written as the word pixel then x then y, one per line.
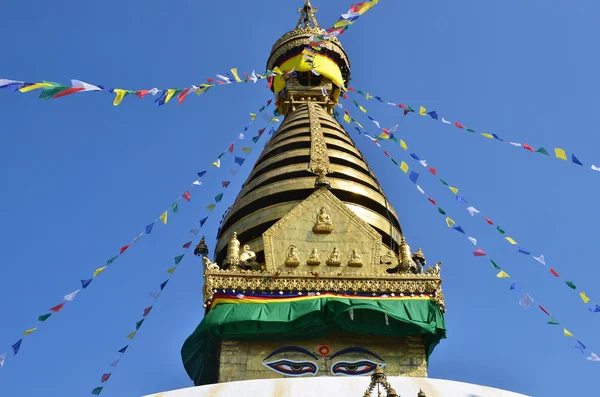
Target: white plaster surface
pixel 336 386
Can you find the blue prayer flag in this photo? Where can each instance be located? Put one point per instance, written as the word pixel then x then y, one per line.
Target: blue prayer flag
pixel 574 159
pixel 459 229
pixel 414 156
pixel 580 346
pixel 239 160
pixel 433 115
pixel 524 251
pixel 161 99
pixel 201 174
pixel 595 309
pixel 123 349
pixel 515 286
pixel 461 200
pixel 17 346
pixel 379 99
pixel 85 283
pixel 162 286
pixel 202 221
pixel 271 131
pixel 149 228
pixel 497 137
pixel 413 176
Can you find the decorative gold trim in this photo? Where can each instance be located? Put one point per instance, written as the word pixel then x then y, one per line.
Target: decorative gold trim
pixel 319 158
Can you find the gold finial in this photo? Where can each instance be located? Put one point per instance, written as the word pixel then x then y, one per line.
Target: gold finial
pixel 307 15
pixel 406 262
pixel 233 253
pixel 201 248
pixel 421 394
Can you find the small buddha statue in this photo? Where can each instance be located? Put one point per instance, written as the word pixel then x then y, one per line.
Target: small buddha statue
pixel 355 259
pixel 419 260
pixel 292 259
pixel 324 224
pixel 313 258
pixel 208 265
pixel 435 269
pixel 232 260
pixel 334 258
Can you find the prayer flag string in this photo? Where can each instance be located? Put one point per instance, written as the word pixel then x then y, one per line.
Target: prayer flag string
pixel 594 307
pixel 557 153
pixel 526 299
pixel 162 218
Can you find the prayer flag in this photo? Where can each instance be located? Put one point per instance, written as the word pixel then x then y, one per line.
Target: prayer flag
pixel 502 274
pixel 115 363
pixel 170 93
pixel 72 295
pixel 57 308
pixel 178 259
pixel 147 311
pixel 413 176
pixel 524 251
pixel 460 200
pixel 566 332
pixel 540 259
pixel 560 154
pixel 432 201
pixel 111 260
pixel 500 230
pixel 201 174
pixel 526 301
pixel 552 321
pixel 554 273
pixel 446 121
pixel 527 147
pixel 488 220
pixel 422 111
pixel 246 150
pixel 124 248
pixel 194 231
pixel 575 160
pixel 164 217
pixel 544 310
pixel 595 309
pixel 2 359
pixel 104 378
pixel 450 222
pixel 515 287
pixel 97 391
pixel 473 211
pixel 239 160
pixel 230 148
pixel 197 182
pixel 420 190
pixel 494 265
pixel 202 221
pixel 459 125
pixel 186 196
pixel 571 285
pixel 98 271
pixel 85 283
pixel 171 270
pixel 479 252
pixel 593 167
pixel 120 95
pixel 255 139
pixel 162 285
pixel 473 240
pixel 584 297
pixel 183 95
pixel 17 346
pixel 580 346
pixel 139 324
pixel 403 144
pixel 187 245
pixel 433 115
pixel 454 190
pixel 459 229
pixel 216 163
pixel 593 357
pixel 219 197
pixel 441 211
pixel 29 331
pixel 510 240
pixel 404 167
pixel 149 228
pixel 123 349
pixel 542 151
pixel 131 335
pixel 44 317
pixel 225 184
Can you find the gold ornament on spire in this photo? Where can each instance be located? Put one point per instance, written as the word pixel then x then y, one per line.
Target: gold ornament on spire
pixel 307 15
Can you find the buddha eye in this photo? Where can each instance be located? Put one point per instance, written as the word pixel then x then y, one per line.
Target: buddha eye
pixel 362 367
pixel 292 368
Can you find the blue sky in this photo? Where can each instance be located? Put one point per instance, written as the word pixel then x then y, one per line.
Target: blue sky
pixel 81 177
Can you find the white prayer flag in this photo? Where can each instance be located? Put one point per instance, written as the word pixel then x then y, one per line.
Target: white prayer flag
pixel 515 144
pixel 423 163
pixel 394 128
pixel 446 121
pixel 473 240
pixel 3 355
pixel 253 77
pixel 137 238
pixel 5 82
pixel 241 136
pixel 72 295
pixel 592 357
pixel 473 211
pixel 540 259
pixel 420 190
pixel 225 79
pixel 197 182
pixel 595 168
pixel 154 295
pixel 85 86
pixel 114 364
pixel 195 231
pixel 526 301
pixel 376 123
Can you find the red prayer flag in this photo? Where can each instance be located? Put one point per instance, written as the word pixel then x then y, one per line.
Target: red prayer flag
pixel 186 196
pixel 57 308
pixel 351 89
pixel 403 106
pixel 142 93
pixel 488 220
pixel 225 184
pixel 270 82
pixel 526 146
pixel 433 171
pixel 269 102
pixel 459 125
pixel 386 153
pixel 554 272
pixel 147 311
pixel 544 310
pixel 210 80
pixel 182 95
pixel 260 132
pixel 187 245
pixel 432 201
pixel 68 92
pixel 124 248
pixel 105 377
pixel 230 148
pixel 345 96
pixel 479 252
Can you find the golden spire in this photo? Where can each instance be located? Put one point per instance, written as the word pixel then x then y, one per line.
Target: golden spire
pixel 307 15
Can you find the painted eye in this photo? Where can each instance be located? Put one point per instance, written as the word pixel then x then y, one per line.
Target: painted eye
pixel 362 367
pixel 292 368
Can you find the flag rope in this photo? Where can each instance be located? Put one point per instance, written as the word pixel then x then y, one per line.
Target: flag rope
pixel 526 299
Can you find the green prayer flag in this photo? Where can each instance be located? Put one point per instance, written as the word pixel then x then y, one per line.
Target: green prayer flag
pixel 139 324
pixel 552 321
pixel 470 130
pixel 394 161
pixel 221 155
pixel 44 317
pixel 178 91
pixel 395 139
pixel 494 265
pixel 542 151
pixel 97 391
pixel 178 259
pixel 500 230
pixel 255 139
pixel 111 260
pixel 570 284
pixel 409 109
pixel 49 92
pixel 360 92
pixel 261 109
pixel 130 92
pixel 175 206
pixel 219 197
pixel 444 182
pixel 441 211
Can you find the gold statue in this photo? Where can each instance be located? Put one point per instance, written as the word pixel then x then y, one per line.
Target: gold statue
pixel 355 259
pixel 419 259
pixel 208 265
pixel 435 269
pixel 248 258
pixel 313 258
pixel 324 224
pixel 334 258
pixel 232 260
pixel 292 259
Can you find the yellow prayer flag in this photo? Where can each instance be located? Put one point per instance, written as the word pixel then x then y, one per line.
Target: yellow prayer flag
pixel 170 93
pixel 404 167
pixel 362 109
pixel 35 87
pixel 510 240
pixel 235 74
pixel 567 333
pixel 164 217
pixel 252 116
pixel 210 207
pixel 246 150
pixel 216 163
pixel 29 331
pixel 450 222
pixel 502 274
pixel 368 96
pixel 119 97
pixel 172 270
pixel 346 118
pixel 454 190
pixel 487 135
pixel 358 124
pixel 342 22
pixel 423 111
pixel 560 153
pixel 98 271
pixel 131 335
pixel 277 71
pixel 403 144
pixel 274 119
pixel 584 297
pixel 199 91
